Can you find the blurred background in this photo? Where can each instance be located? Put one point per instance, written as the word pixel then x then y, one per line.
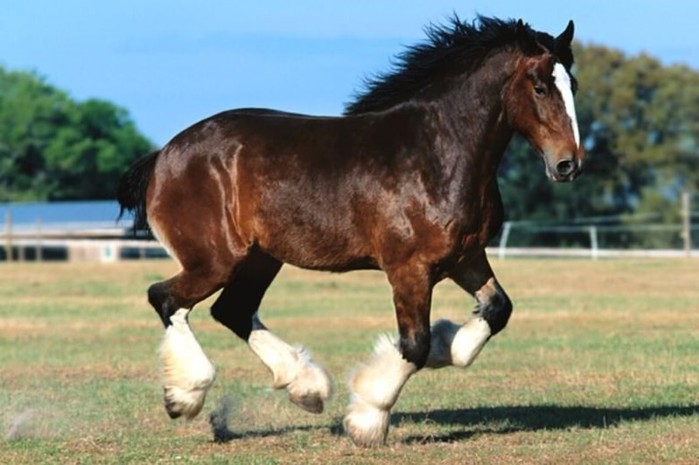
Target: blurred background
pixel 88 87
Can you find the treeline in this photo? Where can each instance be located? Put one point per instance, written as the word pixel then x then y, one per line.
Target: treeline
pixel 639 123
pixel 54 148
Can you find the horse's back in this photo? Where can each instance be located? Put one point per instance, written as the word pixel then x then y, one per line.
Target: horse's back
pixel 266 178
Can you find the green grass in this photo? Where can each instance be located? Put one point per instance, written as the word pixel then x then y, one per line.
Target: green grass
pixel 597 365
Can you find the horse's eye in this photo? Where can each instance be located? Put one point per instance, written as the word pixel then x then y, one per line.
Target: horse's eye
pixel 540 91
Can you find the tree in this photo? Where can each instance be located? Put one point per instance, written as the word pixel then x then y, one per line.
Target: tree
pixel 639 125
pixel 53 148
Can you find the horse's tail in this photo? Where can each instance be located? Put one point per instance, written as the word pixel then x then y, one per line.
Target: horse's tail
pixel 132 189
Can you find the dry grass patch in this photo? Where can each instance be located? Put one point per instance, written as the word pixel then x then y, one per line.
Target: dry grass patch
pixel 597 365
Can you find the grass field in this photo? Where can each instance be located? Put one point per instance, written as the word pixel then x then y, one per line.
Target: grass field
pixel 597 366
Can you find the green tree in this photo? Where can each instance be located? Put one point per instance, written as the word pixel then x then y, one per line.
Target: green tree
pixel 54 148
pixel 639 123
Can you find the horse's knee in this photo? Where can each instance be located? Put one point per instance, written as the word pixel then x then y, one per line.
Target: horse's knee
pixel 218 313
pixel 416 348
pixel 497 311
pixel 237 320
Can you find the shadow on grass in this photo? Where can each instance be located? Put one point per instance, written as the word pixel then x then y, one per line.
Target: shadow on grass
pixel 510 419
pixel 467 423
pixel 222 436
pixel 218 420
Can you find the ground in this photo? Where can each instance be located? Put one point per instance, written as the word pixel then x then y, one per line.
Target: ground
pixel 597 365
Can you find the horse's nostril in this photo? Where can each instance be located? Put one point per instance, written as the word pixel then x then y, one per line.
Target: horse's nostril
pixel 565 167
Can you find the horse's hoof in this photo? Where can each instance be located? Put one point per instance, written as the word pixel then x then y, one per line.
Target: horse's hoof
pixel 171 412
pixel 367 426
pixel 311 388
pixel 311 402
pixel 179 402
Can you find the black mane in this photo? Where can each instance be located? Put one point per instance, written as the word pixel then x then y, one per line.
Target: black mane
pixel 456 47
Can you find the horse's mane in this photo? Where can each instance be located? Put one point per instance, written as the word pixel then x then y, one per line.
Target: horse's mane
pixel 457 47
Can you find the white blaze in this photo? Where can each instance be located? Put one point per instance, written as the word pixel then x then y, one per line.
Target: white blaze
pixel 562 80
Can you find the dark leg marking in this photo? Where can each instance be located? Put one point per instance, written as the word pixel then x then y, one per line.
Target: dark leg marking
pixel 241 297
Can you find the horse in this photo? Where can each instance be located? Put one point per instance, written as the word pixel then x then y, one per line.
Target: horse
pixel 405 182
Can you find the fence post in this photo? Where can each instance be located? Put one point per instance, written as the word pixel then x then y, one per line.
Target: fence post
pixel 502 247
pixel 594 246
pixel 20 253
pixel 8 236
pixel 686 223
pixel 39 252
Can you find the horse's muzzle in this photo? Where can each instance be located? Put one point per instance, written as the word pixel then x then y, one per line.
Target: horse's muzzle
pixel 564 169
pixel 567 170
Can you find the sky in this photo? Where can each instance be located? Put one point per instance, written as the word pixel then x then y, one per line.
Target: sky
pixel 171 63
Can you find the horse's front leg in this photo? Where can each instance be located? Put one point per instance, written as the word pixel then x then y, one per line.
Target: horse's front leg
pixel 457 345
pixel 375 386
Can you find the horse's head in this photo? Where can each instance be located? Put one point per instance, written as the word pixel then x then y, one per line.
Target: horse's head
pixel 539 104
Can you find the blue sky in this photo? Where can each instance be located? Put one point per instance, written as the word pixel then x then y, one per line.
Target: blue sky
pixel 171 63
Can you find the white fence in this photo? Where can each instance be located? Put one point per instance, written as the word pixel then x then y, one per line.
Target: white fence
pixel 669 240
pixel 74 241
pixel 105 242
pixel 587 239
pixel 593 254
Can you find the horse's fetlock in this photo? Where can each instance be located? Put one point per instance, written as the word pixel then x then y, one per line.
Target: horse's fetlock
pixel 498 312
pixel 416 349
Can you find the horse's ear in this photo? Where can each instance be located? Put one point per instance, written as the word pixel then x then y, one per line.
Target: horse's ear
pixel 563 41
pixel 525 37
pixel 561 45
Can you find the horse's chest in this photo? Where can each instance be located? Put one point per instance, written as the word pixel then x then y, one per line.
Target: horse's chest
pixel 480 223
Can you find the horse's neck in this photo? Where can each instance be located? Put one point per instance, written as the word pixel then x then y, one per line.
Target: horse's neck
pixel 472 117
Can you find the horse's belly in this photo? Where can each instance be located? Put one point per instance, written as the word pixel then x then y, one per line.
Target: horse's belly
pixel 332 246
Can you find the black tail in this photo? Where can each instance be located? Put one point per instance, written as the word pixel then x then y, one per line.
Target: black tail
pixel 132 189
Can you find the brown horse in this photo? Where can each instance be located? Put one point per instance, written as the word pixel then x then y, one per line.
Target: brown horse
pixel 404 182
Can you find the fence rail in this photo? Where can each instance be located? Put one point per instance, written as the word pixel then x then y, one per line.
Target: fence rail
pixel 74 241
pixel 105 242
pixel 593 254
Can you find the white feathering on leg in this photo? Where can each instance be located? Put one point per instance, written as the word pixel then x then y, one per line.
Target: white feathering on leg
pixel 281 359
pixel 292 368
pixel 311 386
pixel 442 335
pixel 457 345
pixel 187 372
pixel 469 341
pixel 374 388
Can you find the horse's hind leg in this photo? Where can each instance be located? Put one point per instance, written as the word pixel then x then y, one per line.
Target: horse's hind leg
pixel 457 345
pixel 292 369
pixel 187 372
